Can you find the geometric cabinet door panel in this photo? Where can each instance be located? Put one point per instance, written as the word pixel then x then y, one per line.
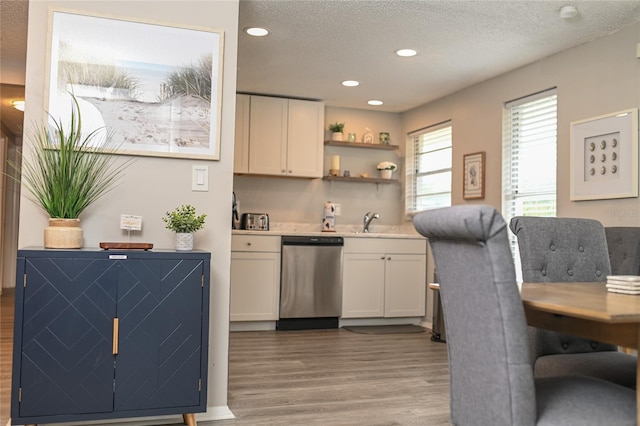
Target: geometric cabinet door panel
pixel 101 334
pixel 158 362
pixel 67 362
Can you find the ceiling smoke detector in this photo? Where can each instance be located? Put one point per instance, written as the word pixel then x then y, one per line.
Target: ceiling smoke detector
pixel 568 12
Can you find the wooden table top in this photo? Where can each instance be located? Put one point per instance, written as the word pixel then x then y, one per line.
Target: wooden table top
pixel 582 300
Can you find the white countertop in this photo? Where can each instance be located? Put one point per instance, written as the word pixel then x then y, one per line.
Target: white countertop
pixel 350 231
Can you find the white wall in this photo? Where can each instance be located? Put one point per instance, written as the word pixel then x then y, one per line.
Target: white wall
pixel 154 185
pixel 592 79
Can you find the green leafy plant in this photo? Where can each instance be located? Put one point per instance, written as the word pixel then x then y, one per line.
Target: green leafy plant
pixel 184 219
pixel 65 173
pixel 336 127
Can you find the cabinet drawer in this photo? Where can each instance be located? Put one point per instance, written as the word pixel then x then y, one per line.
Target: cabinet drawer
pixel 385 245
pixel 269 243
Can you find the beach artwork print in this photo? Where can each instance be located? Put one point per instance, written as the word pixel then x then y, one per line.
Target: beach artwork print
pixel 155 88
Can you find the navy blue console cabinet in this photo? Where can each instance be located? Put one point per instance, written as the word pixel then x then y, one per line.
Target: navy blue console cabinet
pixel 109 334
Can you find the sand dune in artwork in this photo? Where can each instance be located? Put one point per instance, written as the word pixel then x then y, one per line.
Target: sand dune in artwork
pixel 183 121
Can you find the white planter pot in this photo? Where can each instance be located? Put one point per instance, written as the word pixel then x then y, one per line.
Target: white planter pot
pixel 386 174
pixel 336 136
pixel 184 241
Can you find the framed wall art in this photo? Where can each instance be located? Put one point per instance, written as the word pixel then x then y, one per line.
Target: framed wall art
pixel 155 87
pixel 604 156
pixel 474 176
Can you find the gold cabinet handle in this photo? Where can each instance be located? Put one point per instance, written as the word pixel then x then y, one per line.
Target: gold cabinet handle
pixel 116 325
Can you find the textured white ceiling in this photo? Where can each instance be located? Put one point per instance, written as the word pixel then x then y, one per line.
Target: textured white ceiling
pixel 316 44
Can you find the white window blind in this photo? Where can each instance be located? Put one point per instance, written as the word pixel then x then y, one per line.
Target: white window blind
pixel 428 180
pixel 529 146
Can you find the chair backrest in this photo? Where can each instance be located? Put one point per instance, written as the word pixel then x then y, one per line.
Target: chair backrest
pixel 557 249
pixel 624 249
pixel 490 371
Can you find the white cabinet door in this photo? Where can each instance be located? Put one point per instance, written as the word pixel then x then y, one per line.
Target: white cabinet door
pixel 304 139
pixel 268 136
pixel 255 285
pixel 363 285
pixel 405 285
pixel 241 143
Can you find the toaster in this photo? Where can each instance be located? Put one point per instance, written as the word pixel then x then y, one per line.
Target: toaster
pixel 255 221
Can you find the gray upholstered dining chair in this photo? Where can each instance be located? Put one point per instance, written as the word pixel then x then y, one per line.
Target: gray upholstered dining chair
pixel 556 249
pixel 491 376
pixel 623 243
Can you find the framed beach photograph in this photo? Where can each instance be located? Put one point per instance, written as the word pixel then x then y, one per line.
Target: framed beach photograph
pixel 155 87
pixel 604 156
pixel 474 176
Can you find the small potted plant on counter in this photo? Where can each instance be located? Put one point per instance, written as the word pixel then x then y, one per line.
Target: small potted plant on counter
pixel 184 222
pixel 336 129
pixel 386 169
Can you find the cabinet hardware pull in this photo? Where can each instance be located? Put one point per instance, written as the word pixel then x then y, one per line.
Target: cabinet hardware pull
pixel 116 326
pixel 249 243
pixel 382 258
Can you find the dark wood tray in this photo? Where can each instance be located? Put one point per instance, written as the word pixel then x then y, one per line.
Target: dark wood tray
pixel 126 246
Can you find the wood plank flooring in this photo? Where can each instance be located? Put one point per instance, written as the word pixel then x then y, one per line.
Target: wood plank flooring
pixel 320 377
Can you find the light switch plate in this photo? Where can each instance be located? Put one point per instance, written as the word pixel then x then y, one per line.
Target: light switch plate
pixel 338 209
pixel 200 178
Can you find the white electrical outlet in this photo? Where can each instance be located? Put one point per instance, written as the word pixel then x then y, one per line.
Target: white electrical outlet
pixel 338 209
pixel 130 222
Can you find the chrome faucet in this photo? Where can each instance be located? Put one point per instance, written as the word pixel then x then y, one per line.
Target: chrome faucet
pixel 367 220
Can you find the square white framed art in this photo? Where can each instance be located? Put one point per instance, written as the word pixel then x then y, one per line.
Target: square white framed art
pixel 604 156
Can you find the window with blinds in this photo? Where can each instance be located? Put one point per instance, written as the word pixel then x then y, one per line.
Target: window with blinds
pixel 529 158
pixel 428 180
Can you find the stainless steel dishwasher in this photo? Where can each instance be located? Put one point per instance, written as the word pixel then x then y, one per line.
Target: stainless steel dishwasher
pixel 311 282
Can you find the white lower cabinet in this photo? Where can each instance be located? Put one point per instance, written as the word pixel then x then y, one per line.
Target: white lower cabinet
pixel 384 278
pixel 255 278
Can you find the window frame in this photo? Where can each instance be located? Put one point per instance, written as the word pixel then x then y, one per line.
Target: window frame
pixel 412 174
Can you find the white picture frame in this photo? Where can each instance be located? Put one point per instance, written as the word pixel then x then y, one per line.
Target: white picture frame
pixel 129 75
pixel 604 156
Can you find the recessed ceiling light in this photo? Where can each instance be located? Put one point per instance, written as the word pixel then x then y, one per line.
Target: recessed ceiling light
pixel 351 83
pixel 406 52
pixel 375 102
pixel 19 105
pixel 568 12
pixel 256 31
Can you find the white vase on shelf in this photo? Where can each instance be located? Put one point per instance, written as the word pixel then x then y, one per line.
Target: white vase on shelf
pixel 386 174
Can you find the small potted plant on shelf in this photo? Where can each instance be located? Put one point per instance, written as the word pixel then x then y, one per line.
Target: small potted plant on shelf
pixel 386 169
pixel 65 173
pixel 184 222
pixel 336 129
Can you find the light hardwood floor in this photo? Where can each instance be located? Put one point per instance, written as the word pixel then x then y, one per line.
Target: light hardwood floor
pixel 326 378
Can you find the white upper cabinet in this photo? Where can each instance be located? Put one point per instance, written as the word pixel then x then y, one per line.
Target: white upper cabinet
pixel 284 137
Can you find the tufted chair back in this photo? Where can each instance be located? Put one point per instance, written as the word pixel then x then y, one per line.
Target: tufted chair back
pixel 554 249
pixel 624 249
